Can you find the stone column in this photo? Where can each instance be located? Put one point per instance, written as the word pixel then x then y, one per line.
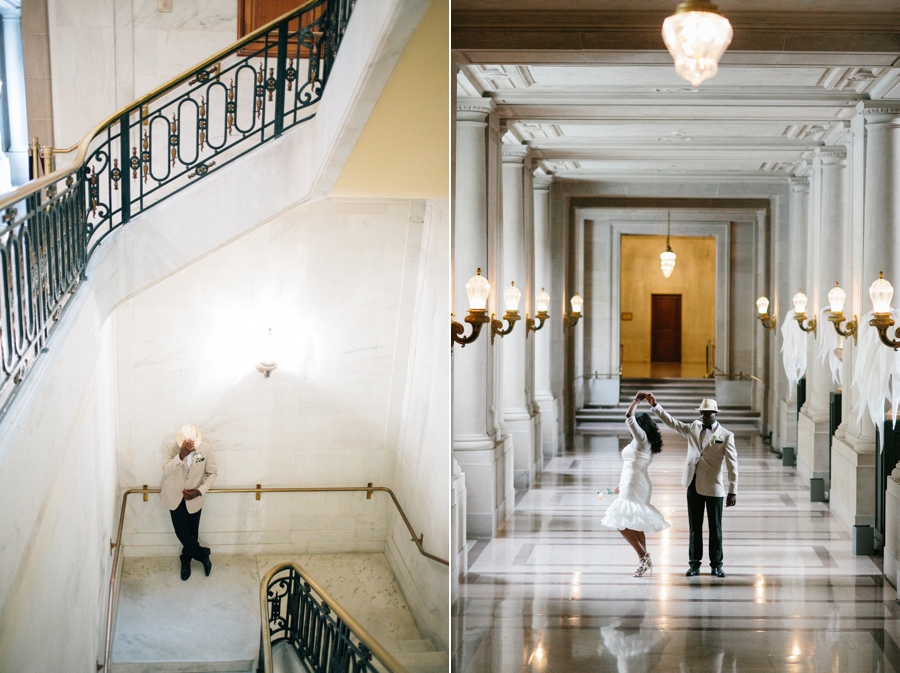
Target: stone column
pixel 14 166
pixel 823 267
pixel 543 271
pixel 517 265
pixel 479 445
pixel 799 227
pixel 875 214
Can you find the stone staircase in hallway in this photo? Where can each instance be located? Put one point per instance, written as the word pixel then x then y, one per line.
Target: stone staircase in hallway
pixel 212 624
pixel 680 397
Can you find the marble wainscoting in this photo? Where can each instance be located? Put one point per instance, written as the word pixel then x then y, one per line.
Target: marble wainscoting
pixel 213 623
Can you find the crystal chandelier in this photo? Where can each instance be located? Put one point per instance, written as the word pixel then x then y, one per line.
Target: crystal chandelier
pixel 697 35
pixel 667 258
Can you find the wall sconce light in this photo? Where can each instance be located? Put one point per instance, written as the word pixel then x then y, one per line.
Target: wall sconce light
pixel 571 319
pixel 512 296
pixel 477 289
pixel 881 293
pixel 696 36
pixel 267 366
pixel 836 298
pixel 800 313
pixel 542 304
pixel 762 305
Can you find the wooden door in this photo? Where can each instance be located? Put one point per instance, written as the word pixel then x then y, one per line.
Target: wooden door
pixel 665 328
pixel 253 14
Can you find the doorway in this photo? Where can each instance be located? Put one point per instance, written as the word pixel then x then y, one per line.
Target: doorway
pixel 665 328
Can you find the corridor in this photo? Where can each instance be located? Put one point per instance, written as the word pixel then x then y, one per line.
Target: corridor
pixel 553 591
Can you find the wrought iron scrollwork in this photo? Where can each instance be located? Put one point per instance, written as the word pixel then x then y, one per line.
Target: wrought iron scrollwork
pixel 167 136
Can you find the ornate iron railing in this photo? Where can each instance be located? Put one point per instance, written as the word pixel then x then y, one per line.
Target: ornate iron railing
pixel 296 610
pixel 193 125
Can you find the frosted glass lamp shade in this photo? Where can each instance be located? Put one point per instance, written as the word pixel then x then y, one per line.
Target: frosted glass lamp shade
pixel 478 289
pixel 881 292
pixel 696 37
pixel 800 301
pixel 543 302
pixel 667 262
pixel 836 298
pixel 577 304
pixel 762 305
pixel 512 296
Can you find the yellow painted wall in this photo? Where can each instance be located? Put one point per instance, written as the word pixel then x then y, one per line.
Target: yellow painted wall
pixel 694 278
pixel 403 152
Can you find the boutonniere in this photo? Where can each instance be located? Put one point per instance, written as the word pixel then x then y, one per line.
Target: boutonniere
pixel 717 438
pixel 198 458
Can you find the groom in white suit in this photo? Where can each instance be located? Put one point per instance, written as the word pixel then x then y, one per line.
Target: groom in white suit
pixel 710 472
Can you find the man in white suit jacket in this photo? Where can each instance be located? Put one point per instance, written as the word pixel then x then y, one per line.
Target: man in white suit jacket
pixel 710 476
pixel 189 471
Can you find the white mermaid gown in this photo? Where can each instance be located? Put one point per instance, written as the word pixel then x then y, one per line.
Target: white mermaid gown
pixel 632 508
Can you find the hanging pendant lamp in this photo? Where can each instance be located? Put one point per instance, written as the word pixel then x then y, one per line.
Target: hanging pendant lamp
pixel 697 35
pixel 667 258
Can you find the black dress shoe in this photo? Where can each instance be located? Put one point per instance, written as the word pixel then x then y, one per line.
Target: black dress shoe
pixel 207 564
pixel 185 570
pixel 692 572
pixel 717 572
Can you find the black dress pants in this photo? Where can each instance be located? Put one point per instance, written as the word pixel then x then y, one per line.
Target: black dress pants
pixel 712 506
pixel 187 528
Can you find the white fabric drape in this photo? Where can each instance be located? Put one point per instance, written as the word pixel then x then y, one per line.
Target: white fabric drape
pixel 876 373
pixel 793 348
pixel 828 343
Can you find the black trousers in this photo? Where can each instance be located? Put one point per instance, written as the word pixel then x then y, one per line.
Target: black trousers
pixel 187 528
pixel 712 506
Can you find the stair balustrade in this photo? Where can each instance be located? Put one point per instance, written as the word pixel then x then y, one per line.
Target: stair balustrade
pixel 325 637
pixel 197 123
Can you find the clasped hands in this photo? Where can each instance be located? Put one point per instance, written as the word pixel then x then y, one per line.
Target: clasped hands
pixel 645 396
pixel 186 448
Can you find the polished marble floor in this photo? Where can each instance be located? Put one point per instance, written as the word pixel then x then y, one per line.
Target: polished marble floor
pixel 553 592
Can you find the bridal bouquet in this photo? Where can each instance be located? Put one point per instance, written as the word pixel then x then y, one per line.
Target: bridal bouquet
pixel 605 492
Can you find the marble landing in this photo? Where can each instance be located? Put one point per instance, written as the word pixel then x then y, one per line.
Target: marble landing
pixel 213 623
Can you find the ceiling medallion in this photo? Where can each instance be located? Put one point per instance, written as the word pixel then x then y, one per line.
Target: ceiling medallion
pixel 697 35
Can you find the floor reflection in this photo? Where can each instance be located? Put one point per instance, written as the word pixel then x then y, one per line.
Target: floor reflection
pixel 554 593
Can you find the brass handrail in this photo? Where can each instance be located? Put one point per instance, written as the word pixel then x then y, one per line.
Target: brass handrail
pixel 364 636
pixel 117 545
pixel 51 178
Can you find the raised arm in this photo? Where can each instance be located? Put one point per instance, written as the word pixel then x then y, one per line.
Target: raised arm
pixel 682 429
pixel 173 459
pixel 631 422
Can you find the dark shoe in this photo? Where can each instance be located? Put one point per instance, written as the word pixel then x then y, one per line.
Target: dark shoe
pixel 185 570
pixel 692 572
pixel 717 572
pixel 207 564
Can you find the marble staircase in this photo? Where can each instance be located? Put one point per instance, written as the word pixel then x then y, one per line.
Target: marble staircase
pixel 680 397
pixel 212 624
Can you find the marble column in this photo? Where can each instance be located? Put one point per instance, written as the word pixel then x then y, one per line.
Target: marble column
pixel 520 414
pixel 799 223
pixel 480 446
pixel 823 267
pixel 543 271
pixel 14 166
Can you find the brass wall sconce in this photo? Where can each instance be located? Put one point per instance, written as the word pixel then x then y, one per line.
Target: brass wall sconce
pixel 881 292
pixel 477 289
pixel 267 366
pixel 836 298
pixel 512 296
pixel 542 304
pixel 571 319
pixel 800 313
pixel 762 306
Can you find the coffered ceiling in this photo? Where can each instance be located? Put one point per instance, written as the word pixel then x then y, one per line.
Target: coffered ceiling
pixel 590 88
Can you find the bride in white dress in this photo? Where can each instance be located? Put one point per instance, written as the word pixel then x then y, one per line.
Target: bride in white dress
pixel 631 513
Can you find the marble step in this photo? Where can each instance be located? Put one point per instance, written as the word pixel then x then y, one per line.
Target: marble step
pixel 212 624
pixel 420 662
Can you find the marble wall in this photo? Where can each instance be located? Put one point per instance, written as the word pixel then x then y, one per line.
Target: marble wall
pixel 422 474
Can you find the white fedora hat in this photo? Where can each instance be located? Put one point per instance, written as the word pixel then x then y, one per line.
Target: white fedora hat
pixel 708 405
pixel 188 432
